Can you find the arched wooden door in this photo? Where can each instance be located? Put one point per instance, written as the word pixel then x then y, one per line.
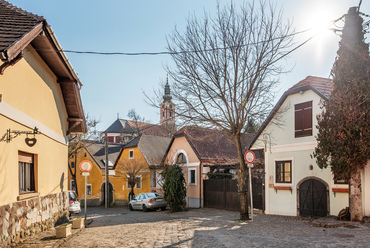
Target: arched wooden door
pixel 313 198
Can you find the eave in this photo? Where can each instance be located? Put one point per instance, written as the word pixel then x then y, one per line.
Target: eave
pixel 43 40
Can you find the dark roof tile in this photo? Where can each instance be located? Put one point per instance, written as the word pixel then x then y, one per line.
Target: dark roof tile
pixel 214 147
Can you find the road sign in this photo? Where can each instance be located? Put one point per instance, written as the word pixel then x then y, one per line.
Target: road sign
pixel 249 157
pixel 85 166
pixel 85 174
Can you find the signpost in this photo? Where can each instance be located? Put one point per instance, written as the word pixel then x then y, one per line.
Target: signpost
pixel 250 157
pixel 85 167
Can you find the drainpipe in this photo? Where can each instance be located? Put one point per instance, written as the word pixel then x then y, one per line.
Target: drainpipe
pixel 200 184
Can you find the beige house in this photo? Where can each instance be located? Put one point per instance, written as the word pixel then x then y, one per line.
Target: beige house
pixel 39 105
pixel 200 150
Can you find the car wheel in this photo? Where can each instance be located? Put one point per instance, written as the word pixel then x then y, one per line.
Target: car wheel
pixel 145 209
pixel 130 207
pixel 163 208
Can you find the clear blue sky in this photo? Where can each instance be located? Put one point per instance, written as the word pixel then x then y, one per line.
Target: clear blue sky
pixel 114 84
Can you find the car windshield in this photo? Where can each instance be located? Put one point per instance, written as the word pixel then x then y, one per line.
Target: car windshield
pixel 72 196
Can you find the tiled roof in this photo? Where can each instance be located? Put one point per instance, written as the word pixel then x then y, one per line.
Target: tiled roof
pixel 214 147
pixel 153 148
pixel 323 85
pixel 15 23
pixel 97 151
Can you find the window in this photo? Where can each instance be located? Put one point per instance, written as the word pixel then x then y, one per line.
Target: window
pixel 72 185
pixel 26 172
pixel 283 171
pixel 138 182
pixel 131 154
pixel 192 176
pixel 88 189
pixel 72 164
pixel 303 119
pixel 181 159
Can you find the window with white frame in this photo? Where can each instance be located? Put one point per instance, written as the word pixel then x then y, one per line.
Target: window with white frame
pixel 88 189
pixel 72 185
pixel 192 176
pixel 138 183
pixel 131 154
pixel 283 171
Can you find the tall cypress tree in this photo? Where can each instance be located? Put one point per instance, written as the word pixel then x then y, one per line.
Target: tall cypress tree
pixel 344 125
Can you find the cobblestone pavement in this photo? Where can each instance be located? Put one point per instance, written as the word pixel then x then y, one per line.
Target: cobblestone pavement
pixel 118 227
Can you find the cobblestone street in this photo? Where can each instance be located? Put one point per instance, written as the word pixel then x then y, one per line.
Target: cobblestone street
pixel 118 227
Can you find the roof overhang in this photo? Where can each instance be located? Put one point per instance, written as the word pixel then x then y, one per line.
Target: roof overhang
pixel 43 40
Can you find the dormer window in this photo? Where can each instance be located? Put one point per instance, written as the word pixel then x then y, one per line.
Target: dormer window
pixel 303 119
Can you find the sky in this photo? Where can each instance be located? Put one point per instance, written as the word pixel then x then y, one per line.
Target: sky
pixel 114 84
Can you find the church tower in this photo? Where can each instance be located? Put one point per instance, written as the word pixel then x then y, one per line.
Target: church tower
pixel 167 108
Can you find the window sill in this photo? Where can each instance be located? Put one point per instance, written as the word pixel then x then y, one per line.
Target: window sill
pixel 340 190
pixel 26 196
pixel 276 188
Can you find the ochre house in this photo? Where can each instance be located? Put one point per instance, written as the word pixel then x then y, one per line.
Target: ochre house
pixel 143 152
pixel 39 106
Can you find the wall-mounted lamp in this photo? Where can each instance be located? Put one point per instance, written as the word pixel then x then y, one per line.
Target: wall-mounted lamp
pixel 267 139
pixel 9 135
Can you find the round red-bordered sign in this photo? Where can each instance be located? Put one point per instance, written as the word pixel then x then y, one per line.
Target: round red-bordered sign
pixel 249 157
pixel 85 166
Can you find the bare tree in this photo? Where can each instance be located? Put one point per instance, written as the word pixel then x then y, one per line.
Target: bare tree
pixel 133 169
pixel 226 68
pixel 77 141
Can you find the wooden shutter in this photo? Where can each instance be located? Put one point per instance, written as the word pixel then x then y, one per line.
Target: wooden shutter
pixel 303 119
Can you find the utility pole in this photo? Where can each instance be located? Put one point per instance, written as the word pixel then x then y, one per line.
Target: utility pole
pixel 106 172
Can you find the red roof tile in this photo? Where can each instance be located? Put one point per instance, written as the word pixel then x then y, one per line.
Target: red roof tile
pixel 324 85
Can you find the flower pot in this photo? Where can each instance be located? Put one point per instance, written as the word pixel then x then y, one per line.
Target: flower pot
pixel 78 223
pixel 63 231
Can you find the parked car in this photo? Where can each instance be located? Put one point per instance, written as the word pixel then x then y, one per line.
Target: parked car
pixel 74 203
pixel 148 201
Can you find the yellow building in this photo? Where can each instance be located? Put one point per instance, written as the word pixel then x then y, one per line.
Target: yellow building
pixel 135 158
pixel 39 105
pixel 95 182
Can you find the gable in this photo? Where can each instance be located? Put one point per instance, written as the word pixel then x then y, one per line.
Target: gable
pixel 181 145
pixel 285 132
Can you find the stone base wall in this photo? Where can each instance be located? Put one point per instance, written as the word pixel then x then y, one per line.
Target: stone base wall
pixel 29 217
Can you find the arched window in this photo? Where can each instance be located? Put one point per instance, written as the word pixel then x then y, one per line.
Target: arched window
pixel 181 159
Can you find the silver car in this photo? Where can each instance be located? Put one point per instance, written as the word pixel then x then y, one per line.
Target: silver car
pixel 148 201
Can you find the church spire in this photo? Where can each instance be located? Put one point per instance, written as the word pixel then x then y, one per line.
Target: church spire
pixel 167 92
pixel 167 107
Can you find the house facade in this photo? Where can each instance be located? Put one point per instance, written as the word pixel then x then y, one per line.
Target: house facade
pixel 295 185
pixel 95 182
pixel 199 151
pixel 39 105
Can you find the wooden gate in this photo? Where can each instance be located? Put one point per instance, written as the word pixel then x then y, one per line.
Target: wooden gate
pixel 313 198
pixel 223 194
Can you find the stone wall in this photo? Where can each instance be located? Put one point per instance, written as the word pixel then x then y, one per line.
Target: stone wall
pixel 29 217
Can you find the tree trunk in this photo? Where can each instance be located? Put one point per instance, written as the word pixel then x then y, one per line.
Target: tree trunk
pixel 355 195
pixel 242 186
